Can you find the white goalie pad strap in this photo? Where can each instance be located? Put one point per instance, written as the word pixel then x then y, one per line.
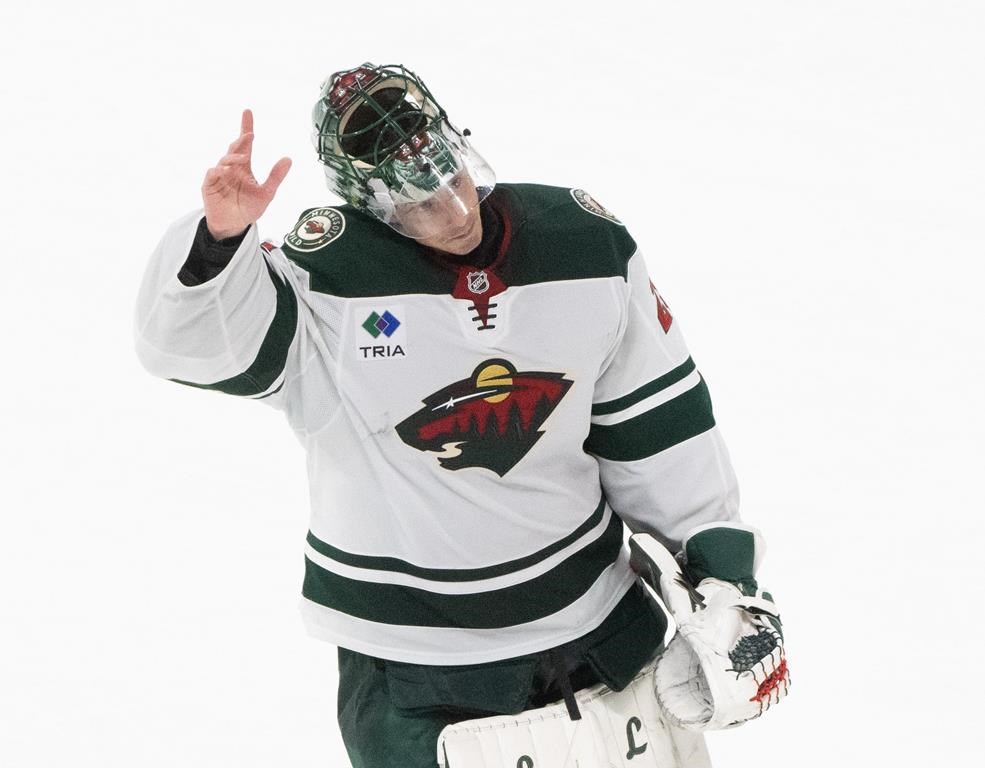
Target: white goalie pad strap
pixel 616 730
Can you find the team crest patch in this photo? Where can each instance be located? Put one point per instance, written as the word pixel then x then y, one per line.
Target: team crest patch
pixel 316 229
pixel 490 419
pixel 592 205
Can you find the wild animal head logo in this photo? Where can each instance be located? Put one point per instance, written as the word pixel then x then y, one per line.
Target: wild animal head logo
pixel 491 419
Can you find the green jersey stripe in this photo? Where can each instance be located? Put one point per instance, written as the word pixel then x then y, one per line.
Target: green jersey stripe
pixel 397 565
pixel 687 415
pixel 519 604
pixel 658 384
pixel 272 356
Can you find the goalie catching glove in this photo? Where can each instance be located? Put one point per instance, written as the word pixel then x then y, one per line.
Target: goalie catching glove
pixel 726 663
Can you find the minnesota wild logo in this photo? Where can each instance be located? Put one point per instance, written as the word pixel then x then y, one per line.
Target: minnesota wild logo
pixel 316 229
pixel 592 205
pixel 491 419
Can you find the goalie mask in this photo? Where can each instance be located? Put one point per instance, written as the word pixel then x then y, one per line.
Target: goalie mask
pixel 389 149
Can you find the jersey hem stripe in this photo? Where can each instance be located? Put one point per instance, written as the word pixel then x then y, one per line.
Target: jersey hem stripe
pixel 517 604
pixel 457 645
pixel 462 587
pixel 396 565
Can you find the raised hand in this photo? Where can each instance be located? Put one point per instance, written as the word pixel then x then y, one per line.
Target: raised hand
pixel 232 196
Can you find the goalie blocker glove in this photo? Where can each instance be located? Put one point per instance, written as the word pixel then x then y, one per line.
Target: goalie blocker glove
pixel 726 664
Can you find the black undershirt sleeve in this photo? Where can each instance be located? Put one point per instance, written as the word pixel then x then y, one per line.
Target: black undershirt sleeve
pixel 208 256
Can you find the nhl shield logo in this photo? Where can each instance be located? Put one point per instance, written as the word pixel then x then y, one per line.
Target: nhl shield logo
pixel 316 229
pixel 478 282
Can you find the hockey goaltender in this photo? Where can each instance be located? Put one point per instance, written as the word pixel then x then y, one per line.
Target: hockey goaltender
pixel 490 390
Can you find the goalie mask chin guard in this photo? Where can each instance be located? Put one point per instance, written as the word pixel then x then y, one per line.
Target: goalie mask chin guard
pixel 389 149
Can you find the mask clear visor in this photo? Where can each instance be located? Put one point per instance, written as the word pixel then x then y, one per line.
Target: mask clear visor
pixel 431 185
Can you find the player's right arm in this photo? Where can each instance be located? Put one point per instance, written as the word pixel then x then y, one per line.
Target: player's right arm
pixel 232 330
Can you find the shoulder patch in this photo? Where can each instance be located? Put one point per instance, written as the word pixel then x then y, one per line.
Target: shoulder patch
pixel 316 229
pixel 593 206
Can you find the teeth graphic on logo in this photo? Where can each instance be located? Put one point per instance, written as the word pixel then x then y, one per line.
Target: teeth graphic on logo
pixel 491 419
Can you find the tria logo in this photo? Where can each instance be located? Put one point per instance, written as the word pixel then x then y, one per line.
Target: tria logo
pixel 491 419
pixel 383 328
pixel 376 324
pixel 382 350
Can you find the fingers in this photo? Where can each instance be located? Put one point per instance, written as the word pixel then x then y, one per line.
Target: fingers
pixel 239 153
pixel 230 175
pixel 235 158
pixel 277 174
pixel 218 178
pixel 234 170
pixel 243 144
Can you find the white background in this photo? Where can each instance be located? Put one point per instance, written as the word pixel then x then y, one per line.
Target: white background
pixel 807 180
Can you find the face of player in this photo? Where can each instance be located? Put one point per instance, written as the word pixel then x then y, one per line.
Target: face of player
pixel 449 220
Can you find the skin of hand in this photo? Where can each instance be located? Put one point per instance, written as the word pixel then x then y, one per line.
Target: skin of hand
pixel 232 197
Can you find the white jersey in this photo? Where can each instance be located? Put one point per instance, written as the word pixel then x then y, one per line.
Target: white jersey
pixel 476 437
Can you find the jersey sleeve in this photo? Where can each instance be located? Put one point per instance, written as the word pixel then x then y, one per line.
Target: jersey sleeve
pixel 231 333
pixel 662 461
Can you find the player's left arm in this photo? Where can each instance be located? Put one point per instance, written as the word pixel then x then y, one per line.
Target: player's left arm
pixel 663 464
pixel 666 472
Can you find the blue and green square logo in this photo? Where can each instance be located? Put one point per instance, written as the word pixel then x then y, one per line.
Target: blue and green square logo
pixel 377 324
